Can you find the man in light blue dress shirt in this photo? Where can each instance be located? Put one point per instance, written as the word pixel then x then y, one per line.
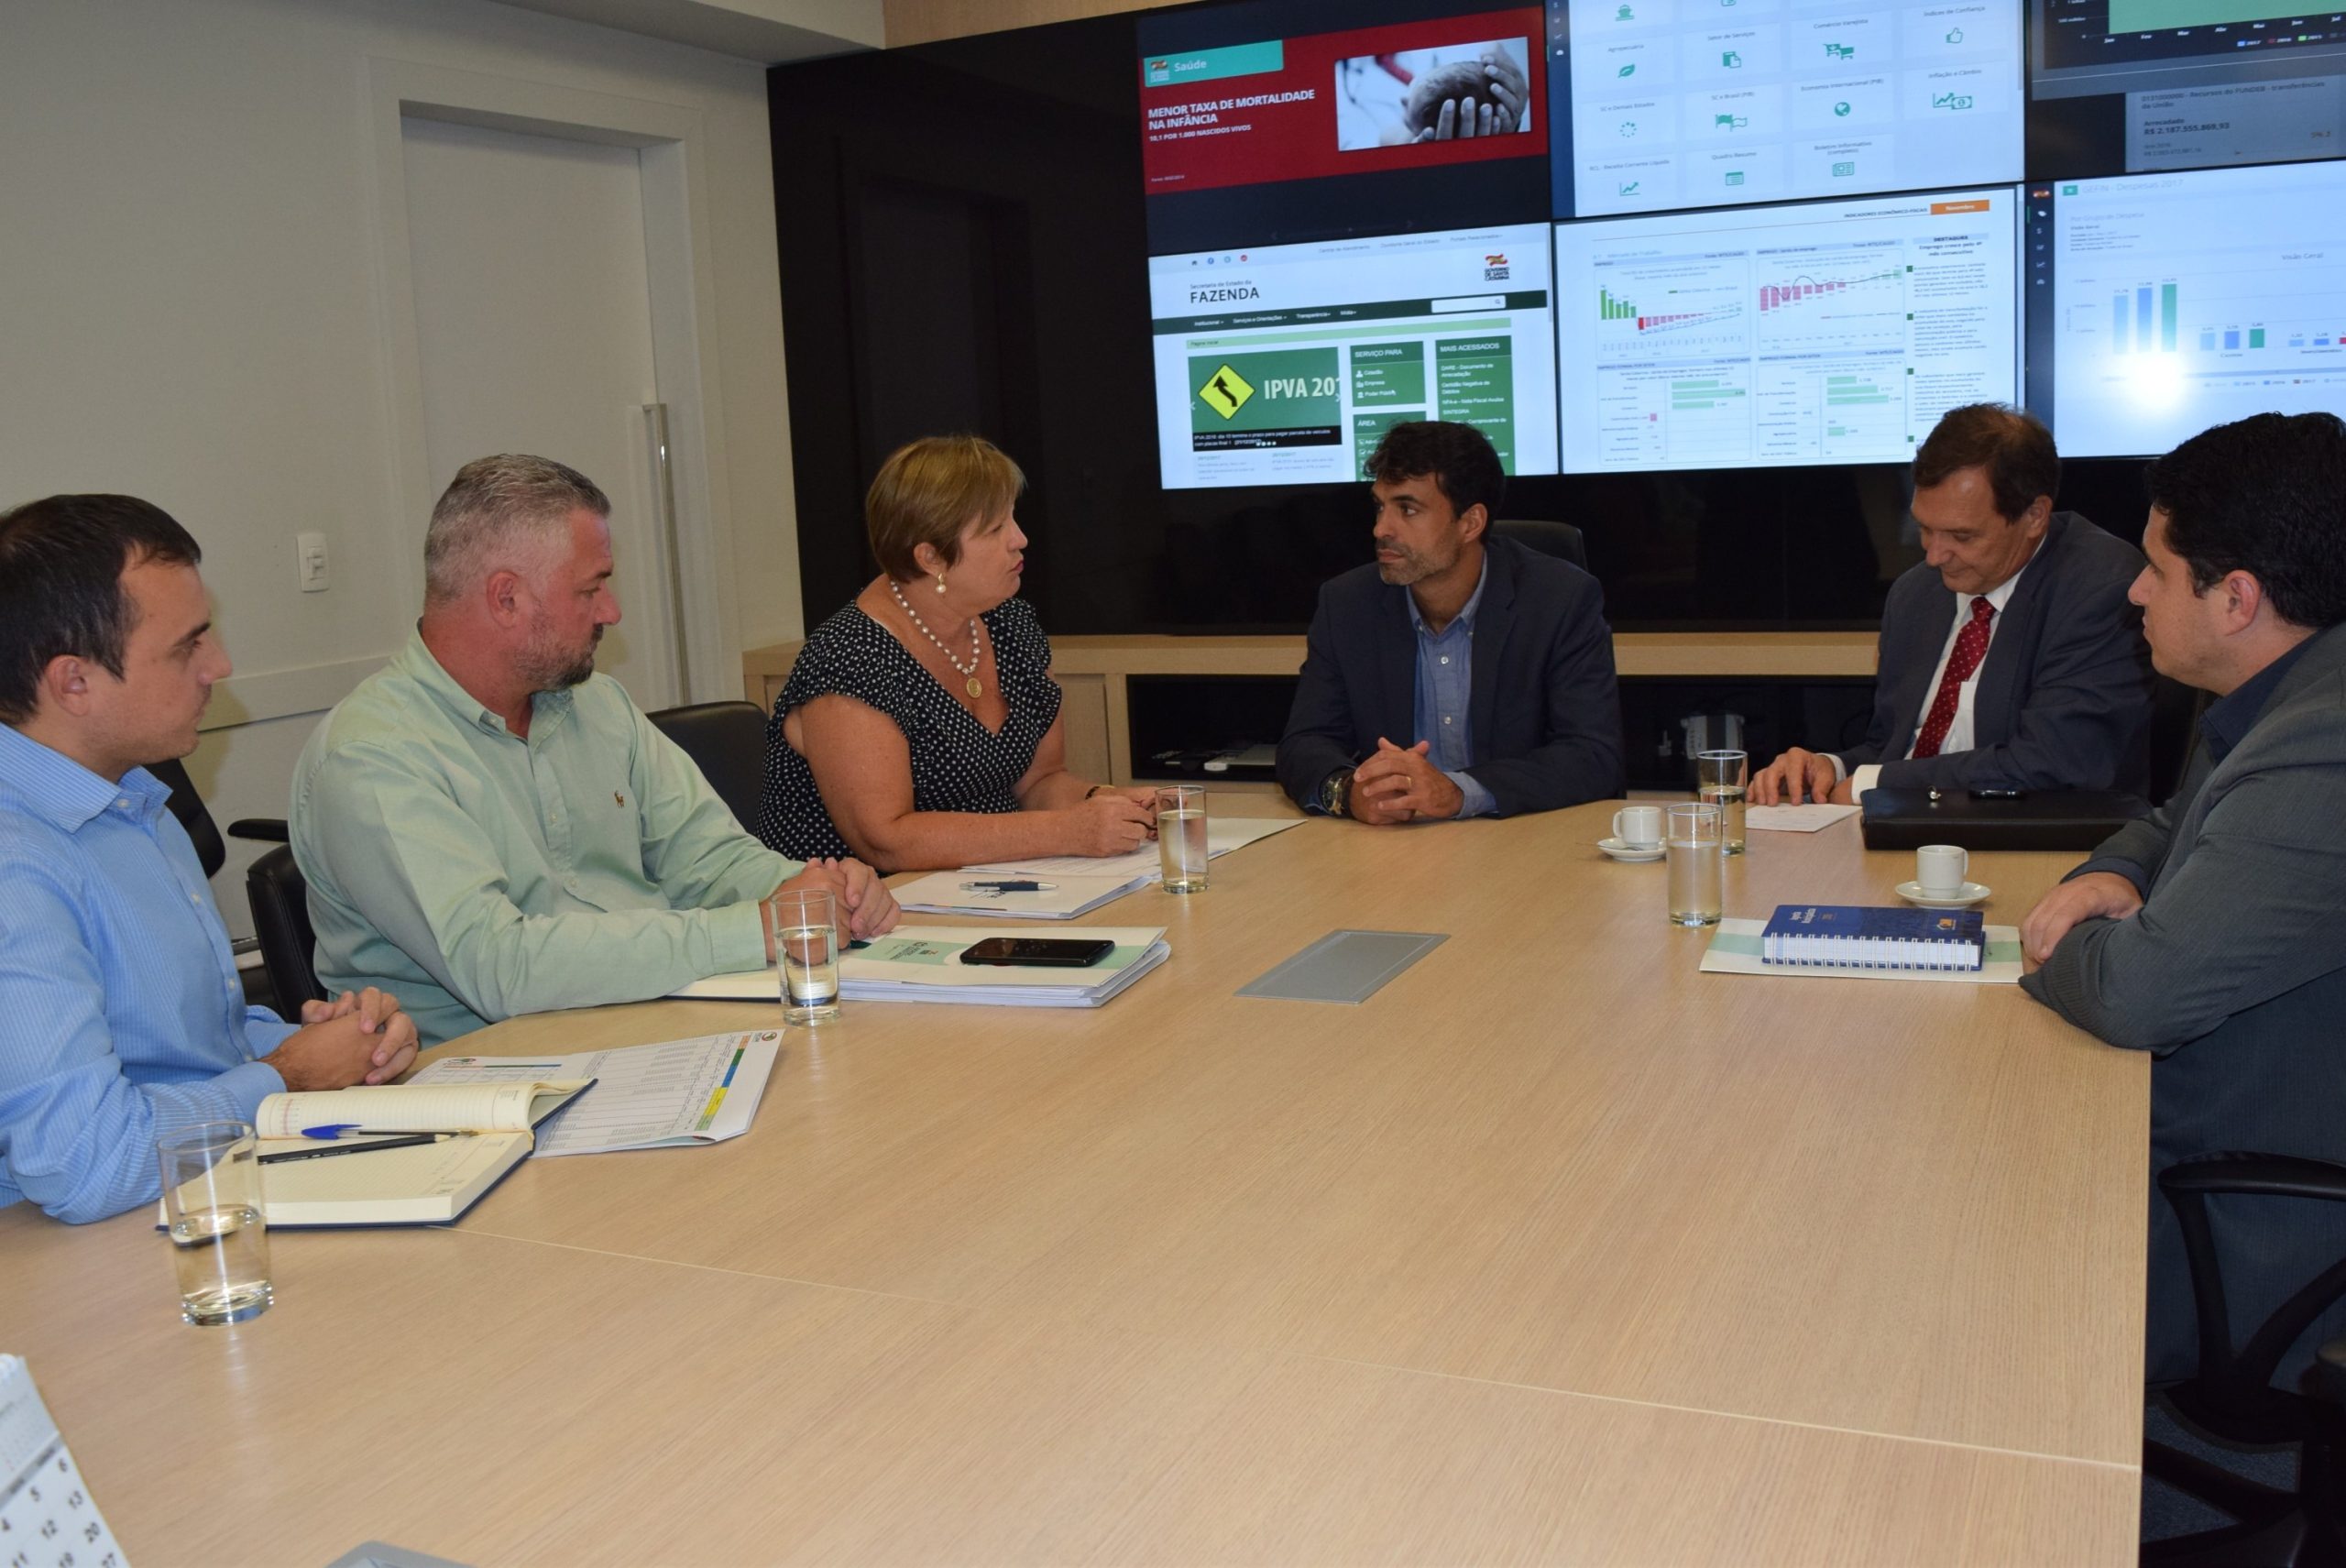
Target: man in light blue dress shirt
pixel 121 1013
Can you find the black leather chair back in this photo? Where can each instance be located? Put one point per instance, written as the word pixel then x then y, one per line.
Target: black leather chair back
pixel 281 901
pixel 728 740
pixel 2175 727
pixel 1561 539
pixel 210 851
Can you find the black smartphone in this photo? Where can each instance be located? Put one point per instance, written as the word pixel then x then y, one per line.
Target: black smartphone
pixel 1051 952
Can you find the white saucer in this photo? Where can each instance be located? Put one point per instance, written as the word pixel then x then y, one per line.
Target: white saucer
pixel 1630 852
pixel 1964 897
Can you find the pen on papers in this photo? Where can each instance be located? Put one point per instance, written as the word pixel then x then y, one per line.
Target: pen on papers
pixel 328 1150
pixel 1010 887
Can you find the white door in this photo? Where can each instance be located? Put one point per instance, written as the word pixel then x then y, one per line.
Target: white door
pixel 534 328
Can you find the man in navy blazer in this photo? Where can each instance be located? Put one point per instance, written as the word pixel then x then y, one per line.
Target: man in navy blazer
pixel 1460 675
pixel 2009 659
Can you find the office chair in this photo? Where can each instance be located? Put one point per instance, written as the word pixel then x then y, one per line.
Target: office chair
pixel 1561 539
pixel 2231 1394
pixel 2175 726
pixel 211 852
pixel 727 741
pixel 281 901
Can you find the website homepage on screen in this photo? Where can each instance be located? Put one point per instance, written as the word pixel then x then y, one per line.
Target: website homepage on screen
pixel 1286 365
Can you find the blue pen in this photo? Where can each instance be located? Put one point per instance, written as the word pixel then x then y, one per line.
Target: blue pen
pixel 335 1130
pixel 1008 887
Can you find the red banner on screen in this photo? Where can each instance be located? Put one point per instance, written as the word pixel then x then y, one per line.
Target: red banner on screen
pixel 1353 103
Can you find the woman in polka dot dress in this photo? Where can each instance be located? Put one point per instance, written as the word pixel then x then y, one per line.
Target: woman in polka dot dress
pixel 920 727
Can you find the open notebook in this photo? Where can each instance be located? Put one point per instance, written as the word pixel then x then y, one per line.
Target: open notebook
pixel 420 1184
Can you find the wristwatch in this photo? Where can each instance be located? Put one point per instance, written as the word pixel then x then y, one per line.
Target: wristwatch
pixel 1336 792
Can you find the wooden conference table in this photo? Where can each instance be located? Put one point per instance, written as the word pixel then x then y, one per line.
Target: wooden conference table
pixel 1554 1249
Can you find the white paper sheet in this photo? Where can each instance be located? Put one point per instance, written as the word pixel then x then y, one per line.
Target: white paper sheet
pixel 701 1091
pixel 1224 834
pixel 1807 818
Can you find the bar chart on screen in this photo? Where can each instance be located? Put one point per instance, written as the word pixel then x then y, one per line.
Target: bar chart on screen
pixel 2183 301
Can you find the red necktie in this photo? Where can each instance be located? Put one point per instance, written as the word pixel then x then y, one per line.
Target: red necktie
pixel 1971 646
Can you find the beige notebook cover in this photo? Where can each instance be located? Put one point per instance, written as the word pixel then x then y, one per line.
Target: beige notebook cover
pixel 423 1184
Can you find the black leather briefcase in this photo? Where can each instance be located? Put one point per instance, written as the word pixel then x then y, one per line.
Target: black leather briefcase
pixel 2049 819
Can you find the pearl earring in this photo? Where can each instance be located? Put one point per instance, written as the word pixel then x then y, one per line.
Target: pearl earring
pixel 940 582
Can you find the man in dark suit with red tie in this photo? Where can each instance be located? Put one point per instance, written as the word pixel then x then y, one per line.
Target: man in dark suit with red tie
pixel 2009 659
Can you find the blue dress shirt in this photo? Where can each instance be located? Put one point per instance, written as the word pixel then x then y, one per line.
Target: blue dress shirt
pixel 1445 695
pixel 121 1015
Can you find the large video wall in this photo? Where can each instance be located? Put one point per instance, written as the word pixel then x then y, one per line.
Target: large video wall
pixel 1642 235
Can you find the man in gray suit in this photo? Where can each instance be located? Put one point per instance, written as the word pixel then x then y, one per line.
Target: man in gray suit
pixel 2008 658
pixel 2212 933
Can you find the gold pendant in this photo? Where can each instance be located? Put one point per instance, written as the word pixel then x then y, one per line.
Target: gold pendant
pixel 973 687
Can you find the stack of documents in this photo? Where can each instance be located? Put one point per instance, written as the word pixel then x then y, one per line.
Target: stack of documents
pixel 923 963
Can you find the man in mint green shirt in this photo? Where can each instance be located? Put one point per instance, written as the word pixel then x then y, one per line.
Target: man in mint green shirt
pixel 492 827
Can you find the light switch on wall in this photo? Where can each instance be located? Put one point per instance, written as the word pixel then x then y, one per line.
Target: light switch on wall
pixel 310 555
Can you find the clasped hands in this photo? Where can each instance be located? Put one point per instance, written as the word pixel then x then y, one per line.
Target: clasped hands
pixel 1497 114
pixel 358 1038
pixel 1401 784
pixel 1116 821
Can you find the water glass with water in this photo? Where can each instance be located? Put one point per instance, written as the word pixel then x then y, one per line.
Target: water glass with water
pixel 1720 778
pixel 803 925
pixel 1691 831
pixel 213 1204
pixel 1181 837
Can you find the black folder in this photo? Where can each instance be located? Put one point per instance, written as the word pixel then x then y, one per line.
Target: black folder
pixel 2048 819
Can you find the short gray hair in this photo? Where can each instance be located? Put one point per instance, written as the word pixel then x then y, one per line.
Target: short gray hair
pixel 494 504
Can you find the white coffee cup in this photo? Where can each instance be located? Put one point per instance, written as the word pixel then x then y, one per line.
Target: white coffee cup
pixel 1940 868
pixel 1640 827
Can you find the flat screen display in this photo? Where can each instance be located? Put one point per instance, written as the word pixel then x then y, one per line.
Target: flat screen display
pixel 1830 332
pixel 2139 86
pixel 1675 103
pixel 1258 128
pixel 1286 365
pixel 2160 304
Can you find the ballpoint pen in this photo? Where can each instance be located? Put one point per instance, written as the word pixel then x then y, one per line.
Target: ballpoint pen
pixel 324 1151
pixel 1012 886
pixel 339 1129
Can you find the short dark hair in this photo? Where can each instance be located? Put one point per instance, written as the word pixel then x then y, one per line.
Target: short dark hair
pixel 2011 443
pixel 1464 467
pixel 61 562
pixel 2265 495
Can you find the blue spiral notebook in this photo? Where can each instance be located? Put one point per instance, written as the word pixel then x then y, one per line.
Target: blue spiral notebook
pixel 1847 936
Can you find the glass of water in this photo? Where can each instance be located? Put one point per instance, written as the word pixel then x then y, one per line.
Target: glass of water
pixel 804 928
pixel 1719 778
pixel 1691 830
pixel 219 1239
pixel 1181 837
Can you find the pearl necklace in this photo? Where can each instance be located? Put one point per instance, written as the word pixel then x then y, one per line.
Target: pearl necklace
pixel 970 682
